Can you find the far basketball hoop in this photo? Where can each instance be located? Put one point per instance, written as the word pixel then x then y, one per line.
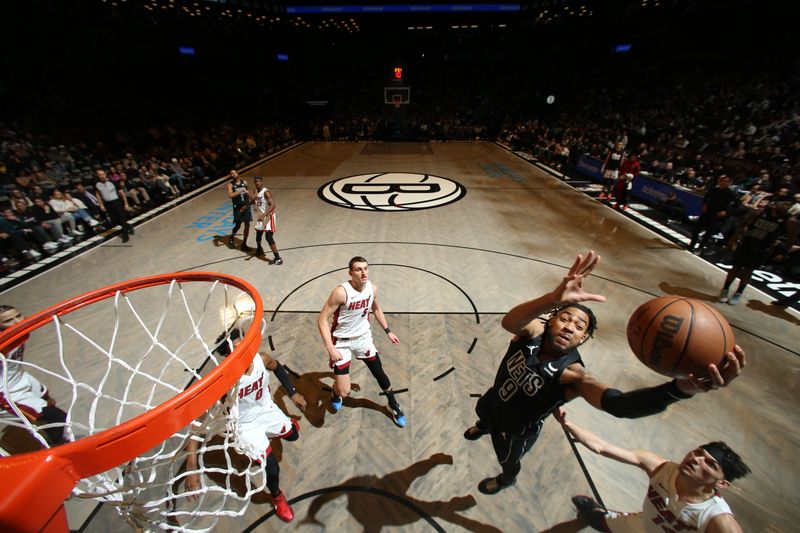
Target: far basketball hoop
pixel 396 96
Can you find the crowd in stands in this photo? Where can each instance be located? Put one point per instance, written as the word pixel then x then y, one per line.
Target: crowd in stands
pixel 688 132
pixel 47 185
pixel 688 128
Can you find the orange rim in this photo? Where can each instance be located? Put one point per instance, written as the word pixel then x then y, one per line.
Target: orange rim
pixel 41 480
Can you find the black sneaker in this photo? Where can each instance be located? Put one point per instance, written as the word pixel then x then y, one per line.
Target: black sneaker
pixel 278 261
pixel 591 511
pixel 492 485
pixel 231 244
pixel 474 433
pixel 125 237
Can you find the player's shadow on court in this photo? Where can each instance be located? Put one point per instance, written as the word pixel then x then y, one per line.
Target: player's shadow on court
pixel 773 310
pixel 318 397
pixel 373 500
pixel 686 292
pixel 222 241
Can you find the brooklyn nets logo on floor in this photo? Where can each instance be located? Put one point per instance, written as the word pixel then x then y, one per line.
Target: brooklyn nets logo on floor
pixel 391 191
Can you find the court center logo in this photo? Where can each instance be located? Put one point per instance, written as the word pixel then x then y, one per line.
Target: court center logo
pixel 391 191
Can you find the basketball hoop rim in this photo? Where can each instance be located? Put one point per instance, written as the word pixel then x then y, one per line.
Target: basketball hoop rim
pixel 43 479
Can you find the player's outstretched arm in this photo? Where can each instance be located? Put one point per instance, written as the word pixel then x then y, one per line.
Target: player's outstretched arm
pixel 650 400
pixel 646 460
pixel 521 320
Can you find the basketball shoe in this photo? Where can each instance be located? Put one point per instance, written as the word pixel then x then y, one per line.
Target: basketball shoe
pixel 398 416
pixel 492 485
pixel 474 433
pixel 282 508
pixel 336 403
pixel 591 511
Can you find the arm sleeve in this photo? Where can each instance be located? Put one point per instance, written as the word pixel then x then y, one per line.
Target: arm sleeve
pixel 641 402
pixel 283 377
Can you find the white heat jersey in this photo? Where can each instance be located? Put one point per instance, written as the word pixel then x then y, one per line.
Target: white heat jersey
pixel 259 419
pixel 268 224
pixel 351 319
pixel 24 390
pixel 11 369
pixel 664 512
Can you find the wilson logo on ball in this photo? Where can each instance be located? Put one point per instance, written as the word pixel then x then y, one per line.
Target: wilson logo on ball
pixel 665 337
pixel 391 191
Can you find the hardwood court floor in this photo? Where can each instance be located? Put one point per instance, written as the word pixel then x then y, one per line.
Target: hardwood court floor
pixel 446 276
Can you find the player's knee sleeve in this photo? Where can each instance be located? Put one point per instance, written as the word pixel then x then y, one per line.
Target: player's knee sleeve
pixel 293 433
pixel 269 237
pixel 376 368
pixel 53 415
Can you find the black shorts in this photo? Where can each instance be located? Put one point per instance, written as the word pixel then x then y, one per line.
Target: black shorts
pixel 242 214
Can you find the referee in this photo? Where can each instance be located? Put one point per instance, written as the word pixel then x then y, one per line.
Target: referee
pixel 112 203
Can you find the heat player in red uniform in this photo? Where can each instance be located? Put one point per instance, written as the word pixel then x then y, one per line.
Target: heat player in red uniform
pixel 258 420
pixel 350 335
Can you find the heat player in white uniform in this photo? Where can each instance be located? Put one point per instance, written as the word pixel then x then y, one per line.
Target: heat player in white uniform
pixel 349 334
pixel 680 497
pixel 27 394
pixel 265 220
pixel 258 420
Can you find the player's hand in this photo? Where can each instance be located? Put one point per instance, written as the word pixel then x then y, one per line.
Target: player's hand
pixel 393 338
pixel 299 401
pixel 570 290
pixel 560 415
pixel 193 484
pixel 335 355
pixel 718 376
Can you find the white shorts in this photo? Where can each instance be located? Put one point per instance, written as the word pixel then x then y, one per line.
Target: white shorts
pixel 361 347
pixel 267 224
pixel 28 394
pixel 252 437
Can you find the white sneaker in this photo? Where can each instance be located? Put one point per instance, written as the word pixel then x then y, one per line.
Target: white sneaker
pixel 76 231
pixel 93 223
pixel 32 254
pixel 49 246
pixel 66 239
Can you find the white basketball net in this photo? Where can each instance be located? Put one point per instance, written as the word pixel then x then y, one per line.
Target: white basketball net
pixel 120 357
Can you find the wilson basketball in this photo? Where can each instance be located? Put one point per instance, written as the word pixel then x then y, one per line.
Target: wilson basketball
pixel 677 336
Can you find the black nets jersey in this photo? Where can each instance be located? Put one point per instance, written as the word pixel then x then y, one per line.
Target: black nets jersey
pixel 526 389
pixel 241 197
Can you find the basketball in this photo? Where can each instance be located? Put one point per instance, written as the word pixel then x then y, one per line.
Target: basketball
pixel 679 336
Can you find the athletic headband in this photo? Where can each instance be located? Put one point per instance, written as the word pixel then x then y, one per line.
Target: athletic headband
pixel 718 453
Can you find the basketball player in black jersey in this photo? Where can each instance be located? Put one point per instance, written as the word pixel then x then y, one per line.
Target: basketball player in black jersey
pixel 240 197
pixel 542 370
